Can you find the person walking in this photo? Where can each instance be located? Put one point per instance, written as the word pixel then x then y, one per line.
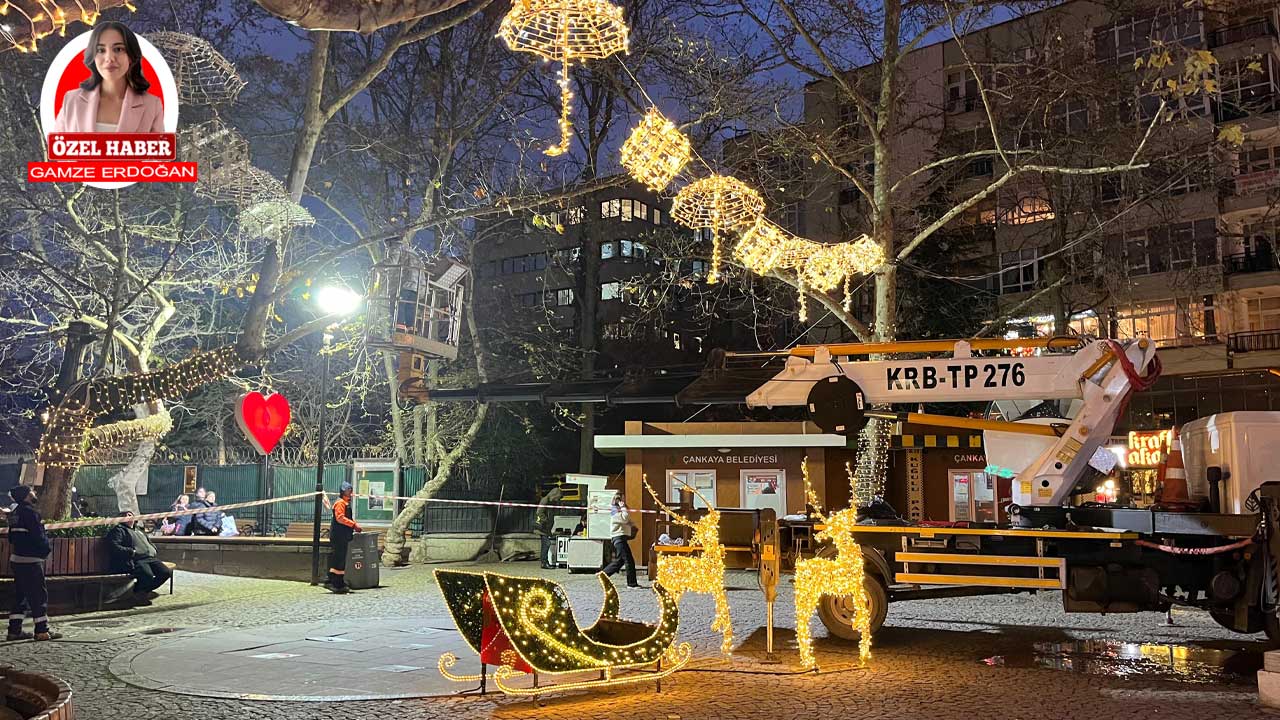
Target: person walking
pixel 340 531
pixel 132 553
pixel 544 521
pixel 620 531
pixel 29 547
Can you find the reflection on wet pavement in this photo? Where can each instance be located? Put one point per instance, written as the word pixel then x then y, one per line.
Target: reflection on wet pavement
pixel 1120 659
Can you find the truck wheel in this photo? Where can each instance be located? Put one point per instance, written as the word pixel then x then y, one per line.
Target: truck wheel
pixel 838 614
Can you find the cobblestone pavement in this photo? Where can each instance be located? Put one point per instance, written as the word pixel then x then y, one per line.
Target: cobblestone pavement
pixel 987 657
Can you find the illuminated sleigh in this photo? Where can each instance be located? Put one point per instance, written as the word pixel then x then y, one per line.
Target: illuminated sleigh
pixel 525 626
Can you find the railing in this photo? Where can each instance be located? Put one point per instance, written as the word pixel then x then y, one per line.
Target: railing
pixel 1259 27
pixel 1250 263
pixel 1254 341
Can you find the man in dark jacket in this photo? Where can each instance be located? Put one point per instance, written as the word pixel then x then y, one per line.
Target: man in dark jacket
pixel 187 523
pixel 29 547
pixel 210 522
pixel 133 553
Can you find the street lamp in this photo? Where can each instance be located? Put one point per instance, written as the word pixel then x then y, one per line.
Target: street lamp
pixel 338 302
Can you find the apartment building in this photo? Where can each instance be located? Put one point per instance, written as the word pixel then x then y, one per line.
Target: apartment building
pixel 1183 252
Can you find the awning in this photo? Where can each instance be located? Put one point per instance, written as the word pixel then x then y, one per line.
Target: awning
pixel 615 444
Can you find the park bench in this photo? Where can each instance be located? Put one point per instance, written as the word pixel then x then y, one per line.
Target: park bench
pixel 107 585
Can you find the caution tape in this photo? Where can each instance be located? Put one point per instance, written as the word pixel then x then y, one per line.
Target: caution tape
pixel 498 503
pixel 96 522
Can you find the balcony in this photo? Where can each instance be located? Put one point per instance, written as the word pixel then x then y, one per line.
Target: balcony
pixel 1253 341
pixel 1251 263
pixel 1251 192
pixel 1256 28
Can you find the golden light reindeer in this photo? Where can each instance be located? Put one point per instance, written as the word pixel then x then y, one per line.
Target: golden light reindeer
pixel 701 574
pixel 841 576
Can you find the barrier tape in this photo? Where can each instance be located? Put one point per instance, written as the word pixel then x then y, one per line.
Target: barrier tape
pixel 503 503
pixel 94 522
pixel 117 520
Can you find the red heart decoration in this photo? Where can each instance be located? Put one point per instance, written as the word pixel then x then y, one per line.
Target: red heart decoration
pixel 263 419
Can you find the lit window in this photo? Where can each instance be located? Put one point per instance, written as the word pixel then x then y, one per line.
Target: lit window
pixel 675 341
pixel 626 209
pixel 610 290
pixel 627 248
pixel 700 268
pixel 608 250
pixel 611 208
pixel 564 297
pixel 657 216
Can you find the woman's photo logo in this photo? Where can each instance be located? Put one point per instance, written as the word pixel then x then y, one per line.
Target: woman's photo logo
pixel 109 109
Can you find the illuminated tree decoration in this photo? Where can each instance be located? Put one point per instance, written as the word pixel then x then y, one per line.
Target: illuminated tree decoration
pixel 563 31
pixel 42 18
pixel 766 246
pixel 701 574
pixel 536 617
pixel 656 151
pixel 841 576
pixel 719 203
pixel 67 434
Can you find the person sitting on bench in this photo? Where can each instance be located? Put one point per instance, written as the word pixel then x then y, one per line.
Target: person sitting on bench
pixel 133 553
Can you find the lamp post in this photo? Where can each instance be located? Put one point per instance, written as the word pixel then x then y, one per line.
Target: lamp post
pixel 338 302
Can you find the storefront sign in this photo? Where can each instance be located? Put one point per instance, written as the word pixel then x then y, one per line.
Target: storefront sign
pixel 729 460
pixel 1146 447
pixel 969 458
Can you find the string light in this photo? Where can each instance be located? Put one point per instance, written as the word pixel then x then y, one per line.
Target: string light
pixel 563 31
pixel 765 247
pixel 702 574
pixel 656 151
pixel 719 203
pixel 66 436
pixel 535 615
pixel 129 432
pixel 843 576
pixel 46 17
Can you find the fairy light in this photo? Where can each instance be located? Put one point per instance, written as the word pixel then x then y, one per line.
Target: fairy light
pixel 564 31
pixel 48 17
pixel 536 616
pixel 66 436
pixel 719 203
pixel 842 576
pixel 128 432
pixel 656 151
pixel 702 574
pixel 765 247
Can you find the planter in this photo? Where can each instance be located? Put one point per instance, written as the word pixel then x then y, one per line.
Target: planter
pixel 70 556
pixel 34 696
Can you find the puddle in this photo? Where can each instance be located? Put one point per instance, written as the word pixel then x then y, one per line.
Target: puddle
pixel 98 623
pixel 1138 660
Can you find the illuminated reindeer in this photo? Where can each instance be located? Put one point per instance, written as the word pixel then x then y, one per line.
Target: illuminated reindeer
pixel 701 574
pixel 841 576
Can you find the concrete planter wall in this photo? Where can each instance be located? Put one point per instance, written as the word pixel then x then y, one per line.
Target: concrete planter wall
pixel 35 697
pixel 70 556
pixel 461 547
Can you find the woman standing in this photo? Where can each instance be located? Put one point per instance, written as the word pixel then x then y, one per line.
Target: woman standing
pixel 115 97
pixel 620 530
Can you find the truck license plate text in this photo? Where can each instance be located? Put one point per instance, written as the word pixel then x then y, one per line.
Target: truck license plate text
pixel 988 375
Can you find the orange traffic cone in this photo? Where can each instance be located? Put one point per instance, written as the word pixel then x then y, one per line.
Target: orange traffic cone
pixel 1172 474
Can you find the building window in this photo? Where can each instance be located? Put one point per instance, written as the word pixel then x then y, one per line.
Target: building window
pixel 527 299
pixel 1125 41
pixel 611 208
pixel 1019 270
pixel 610 290
pixel 633 210
pixel 1259 160
pixel 1264 313
pixel 569 256
pixel 1171 322
pixel 538 261
pixel 626 248
pixel 608 250
pixel 1246 91
pixel 700 268
pixel 1025 211
pixel 562 297
pixel 657 216
pixel 1071 116
pixel 675 340
pixel 980 167
pixel 962 92
pixel 571 216
pixel 702 235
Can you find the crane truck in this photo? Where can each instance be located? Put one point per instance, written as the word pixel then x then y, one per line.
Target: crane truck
pixel 1219 554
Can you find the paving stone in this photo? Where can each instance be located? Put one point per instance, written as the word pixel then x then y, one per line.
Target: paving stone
pixel 935 659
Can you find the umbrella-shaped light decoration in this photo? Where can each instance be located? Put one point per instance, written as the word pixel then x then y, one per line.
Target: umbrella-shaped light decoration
pixel 656 151
pixel 37 19
pixel 719 203
pixel 564 31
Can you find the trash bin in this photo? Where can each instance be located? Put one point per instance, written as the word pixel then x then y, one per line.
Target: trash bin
pixel 363 561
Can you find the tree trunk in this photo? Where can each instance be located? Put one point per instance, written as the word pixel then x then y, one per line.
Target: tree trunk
pixel 419 450
pixel 397 417
pixel 126 482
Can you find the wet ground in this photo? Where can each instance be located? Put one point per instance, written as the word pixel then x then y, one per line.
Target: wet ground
pixel 1180 663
